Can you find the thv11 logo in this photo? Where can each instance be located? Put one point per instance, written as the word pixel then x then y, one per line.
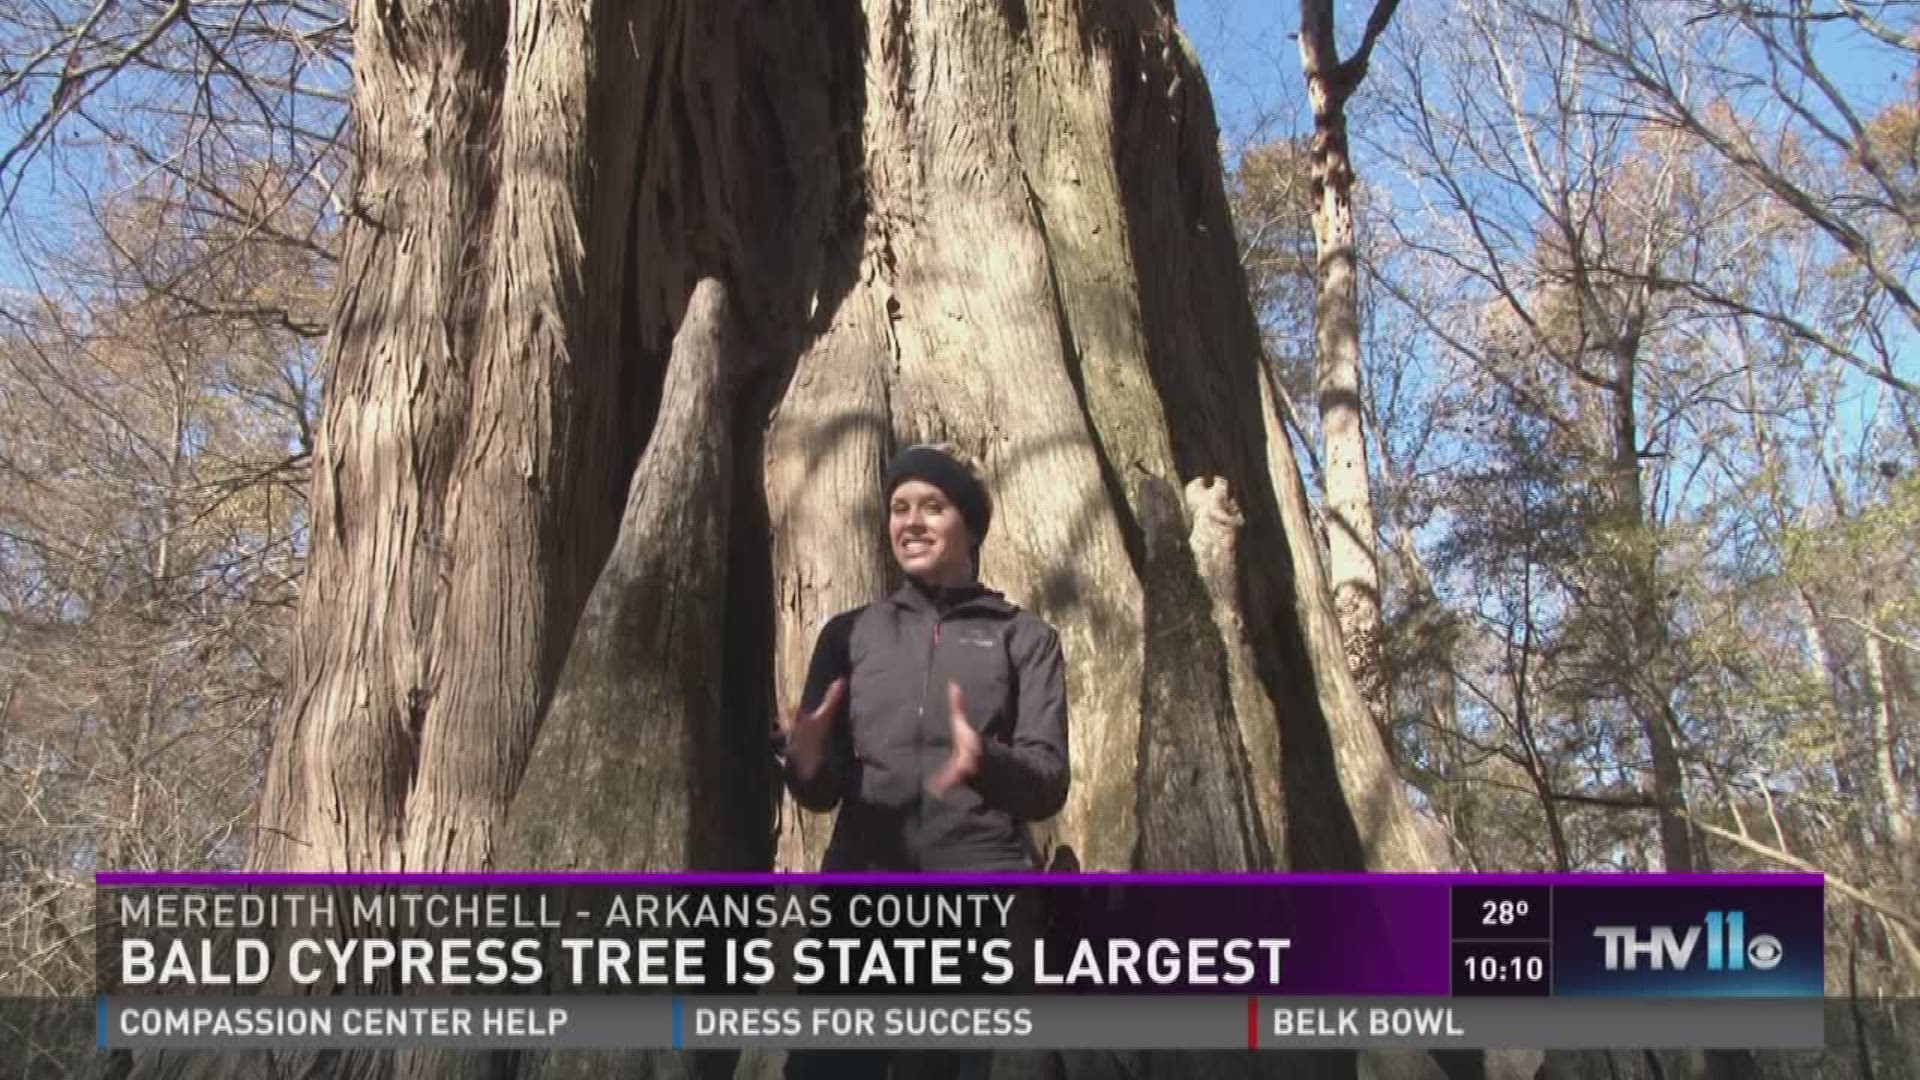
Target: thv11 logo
pixel 1665 947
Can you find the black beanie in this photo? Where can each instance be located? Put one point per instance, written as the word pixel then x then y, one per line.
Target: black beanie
pixel 943 471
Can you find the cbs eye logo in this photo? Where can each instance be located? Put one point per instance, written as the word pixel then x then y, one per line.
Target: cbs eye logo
pixel 1764 952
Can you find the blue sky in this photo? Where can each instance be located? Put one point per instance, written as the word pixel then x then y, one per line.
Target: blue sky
pixel 1246 47
pixel 1251 60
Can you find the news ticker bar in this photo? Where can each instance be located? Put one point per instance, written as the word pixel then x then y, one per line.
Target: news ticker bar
pixel 1457 936
pixel 974 1022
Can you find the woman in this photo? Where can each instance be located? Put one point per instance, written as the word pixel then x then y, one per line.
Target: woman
pixel 935 719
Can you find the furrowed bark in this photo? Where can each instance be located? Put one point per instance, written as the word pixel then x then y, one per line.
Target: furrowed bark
pixel 1030 297
pixel 1216 550
pixel 531 514
pixel 1343 804
pixel 1197 809
pixel 830 433
pixel 427 80
pixel 1070 125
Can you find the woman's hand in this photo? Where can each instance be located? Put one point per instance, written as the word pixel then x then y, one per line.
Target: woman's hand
pixel 806 732
pixel 964 762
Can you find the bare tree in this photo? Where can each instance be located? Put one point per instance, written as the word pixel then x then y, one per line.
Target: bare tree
pixel 1630 328
pixel 1754 84
pixel 1565 275
pixel 151 531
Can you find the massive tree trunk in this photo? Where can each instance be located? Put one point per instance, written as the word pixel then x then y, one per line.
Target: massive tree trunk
pixel 998 225
pixel 766 244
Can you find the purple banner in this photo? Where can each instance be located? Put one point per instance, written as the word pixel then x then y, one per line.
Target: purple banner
pixel 1334 935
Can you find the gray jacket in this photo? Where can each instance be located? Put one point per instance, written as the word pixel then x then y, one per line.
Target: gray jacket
pixel 894 731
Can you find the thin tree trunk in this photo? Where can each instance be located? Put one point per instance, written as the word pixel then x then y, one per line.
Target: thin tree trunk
pixel 1823 666
pixel 1862 1044
pixel 1896 806
pixel 1535 765
pixel 1645 663
pixel 159 588
pixel 1352 559
pixel 1820 660
pixel 1649 676
pixel 1854 767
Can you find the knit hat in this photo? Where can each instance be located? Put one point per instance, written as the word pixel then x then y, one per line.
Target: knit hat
pixel 952 476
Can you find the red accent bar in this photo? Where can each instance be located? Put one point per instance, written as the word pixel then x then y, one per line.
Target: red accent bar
pixel 1253 1023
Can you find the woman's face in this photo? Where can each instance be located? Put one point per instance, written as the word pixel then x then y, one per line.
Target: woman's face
pixel 928 534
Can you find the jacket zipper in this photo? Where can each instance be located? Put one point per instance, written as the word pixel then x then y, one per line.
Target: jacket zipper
pixel 920 744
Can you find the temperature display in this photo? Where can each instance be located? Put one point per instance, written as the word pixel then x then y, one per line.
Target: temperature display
pixel 1502 913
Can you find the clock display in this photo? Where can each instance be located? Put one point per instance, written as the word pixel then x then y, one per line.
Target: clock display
pixel 1492 969
pixel 1502 968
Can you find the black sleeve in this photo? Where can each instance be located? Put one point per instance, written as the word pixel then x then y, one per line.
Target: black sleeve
pixel 1027 775
pixel 836 774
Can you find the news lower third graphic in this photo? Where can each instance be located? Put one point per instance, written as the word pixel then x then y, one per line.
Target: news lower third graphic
pixel 1028 961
